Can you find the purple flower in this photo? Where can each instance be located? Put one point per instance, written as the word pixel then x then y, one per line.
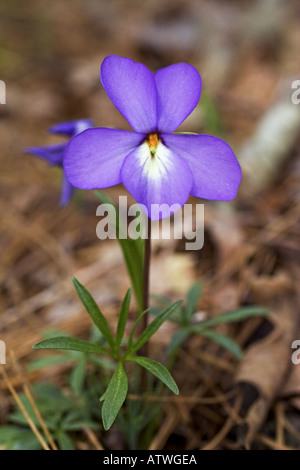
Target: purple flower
pixel 54 153
pixel 156 166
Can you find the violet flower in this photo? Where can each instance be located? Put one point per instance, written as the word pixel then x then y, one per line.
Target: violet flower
pixel 54 153
pixel 155 166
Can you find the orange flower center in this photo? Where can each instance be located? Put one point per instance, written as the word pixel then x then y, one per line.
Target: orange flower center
pixel 152 141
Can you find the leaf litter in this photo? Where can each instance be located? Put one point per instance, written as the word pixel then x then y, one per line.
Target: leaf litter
pixel 251 249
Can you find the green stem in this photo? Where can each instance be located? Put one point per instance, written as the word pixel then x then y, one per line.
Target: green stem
pixel 144 351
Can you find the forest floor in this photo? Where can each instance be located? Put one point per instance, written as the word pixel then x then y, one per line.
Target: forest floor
pixel 248 55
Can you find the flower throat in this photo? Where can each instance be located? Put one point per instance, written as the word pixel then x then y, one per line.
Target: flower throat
pixel 152 141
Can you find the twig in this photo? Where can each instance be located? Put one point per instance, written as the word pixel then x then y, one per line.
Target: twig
pixel 161 437
pixel 27 391
pixel 270 443
pixel 92 438
pixel 23 410
pixel 279 423
pixel 182 399
pixel 226 428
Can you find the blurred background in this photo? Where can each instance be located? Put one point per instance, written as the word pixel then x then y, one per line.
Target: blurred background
pixel 247 53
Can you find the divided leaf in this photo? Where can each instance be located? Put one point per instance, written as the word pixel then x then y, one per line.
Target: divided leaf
pixel 134 327
pixel 224 341
pixel 114 396
pixel 231 316
pixel 69 343
pixel 157 369
pixel 153 327
pixel 192 300
pixel 94 311
pixel 122 320
pixel 77 377
pixel 177 339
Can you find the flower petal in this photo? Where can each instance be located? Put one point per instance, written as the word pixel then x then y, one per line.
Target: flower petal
pixel 71 128
pixel 162 179
pixel 178 89
pixel 52 153
pixel 131 88
pixel 67 191
pixel 94 158
pixel 216 171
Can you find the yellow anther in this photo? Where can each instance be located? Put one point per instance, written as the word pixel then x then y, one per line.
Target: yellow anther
pixel 152 141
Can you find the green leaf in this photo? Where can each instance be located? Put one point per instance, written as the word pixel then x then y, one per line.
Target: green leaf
pixel 65 442
pixel 94 311
pixel 102 362
pixel 134 327
pixel 192 300
pixel 229 317
pixel 69 343
pixel 42 362
pixel 224 341
pixel 157 369
pixel 212 118
pixel 77 425
pixel 9 434
pixel 165 301
pixel 122 320
pixel 95 335
pixel 26 442
pixel 48 393
pixel 177 340
pixel 133 253
pixel 77 377
pixel 153 327
pixel 134 263
pixel 114 396
pixel 73 415
pixel 177 315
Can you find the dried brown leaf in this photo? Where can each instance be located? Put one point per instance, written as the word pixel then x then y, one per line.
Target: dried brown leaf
pixel 266 365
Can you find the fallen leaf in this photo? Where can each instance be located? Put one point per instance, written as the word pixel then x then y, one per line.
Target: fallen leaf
pixel 266 365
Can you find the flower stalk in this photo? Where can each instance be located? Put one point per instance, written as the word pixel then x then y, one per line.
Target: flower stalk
pixel 146 278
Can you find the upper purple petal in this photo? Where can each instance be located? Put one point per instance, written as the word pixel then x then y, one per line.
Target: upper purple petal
pixel 164 179
pixel 52 153
pixel 71 128
pixel 178 89
pixel 94 158
pixel 216 171
pixel 131 88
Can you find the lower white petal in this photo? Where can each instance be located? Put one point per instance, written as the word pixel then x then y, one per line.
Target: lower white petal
pixel 159 178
